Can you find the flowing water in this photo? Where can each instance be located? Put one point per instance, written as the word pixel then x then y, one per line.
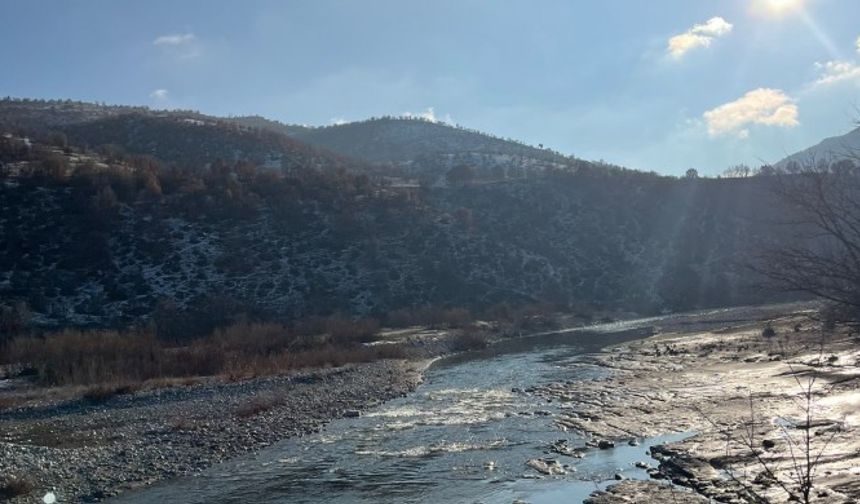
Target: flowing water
pixel 463 436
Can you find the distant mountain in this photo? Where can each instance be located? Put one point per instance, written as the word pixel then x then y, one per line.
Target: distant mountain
pixel 406 139
pixel 829 150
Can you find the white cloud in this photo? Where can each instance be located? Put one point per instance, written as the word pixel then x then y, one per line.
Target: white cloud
pixel 427 115
pixel 700 35
pixel 179 45
pixel 430 115
pixel 176 39
pixel 836 71
pixel 337 121
pixel 858 44
pixel 769 107
pixel 714 27
pixel 159 95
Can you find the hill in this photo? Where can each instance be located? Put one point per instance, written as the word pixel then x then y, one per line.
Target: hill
pixel 260 122
pixel 186 138
pixel 422 149
pixel 829 150
pixel 106 246
pixel 107 236
pixel 396 140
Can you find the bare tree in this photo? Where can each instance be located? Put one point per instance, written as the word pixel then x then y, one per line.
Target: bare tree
pixel 795 476
pixel 821 205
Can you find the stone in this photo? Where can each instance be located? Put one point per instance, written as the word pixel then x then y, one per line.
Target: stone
pixel 548 467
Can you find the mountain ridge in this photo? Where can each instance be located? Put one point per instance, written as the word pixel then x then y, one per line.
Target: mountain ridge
pixel 830 150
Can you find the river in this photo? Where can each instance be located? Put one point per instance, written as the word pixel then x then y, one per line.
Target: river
pixel 463 436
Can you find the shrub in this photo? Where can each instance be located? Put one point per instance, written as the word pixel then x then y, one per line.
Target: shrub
pixel 15 486
pixel 833 314
pixel 469 340
pixel 13 319
pixel 258 405
pixel 115 363
pixel 76 357
pixel 768 331
pixel 433 316
pixel 103 392
pixel 345 330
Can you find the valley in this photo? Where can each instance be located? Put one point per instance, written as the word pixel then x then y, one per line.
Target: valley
pixel 206 309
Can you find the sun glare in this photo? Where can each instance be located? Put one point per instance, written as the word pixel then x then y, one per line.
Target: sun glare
pixel 777 7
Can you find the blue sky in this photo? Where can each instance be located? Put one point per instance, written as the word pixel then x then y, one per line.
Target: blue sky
pixel 658 85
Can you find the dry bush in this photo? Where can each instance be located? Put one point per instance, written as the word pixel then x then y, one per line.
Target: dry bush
pixel 258 405
pixel 113 363
pixel 320 357
pixel 9 401
pixel 434 316
pixel 77 357
pixel 527 317
pixel 345 330
pixel 13 319
pixel 15 486
pixel 169 382
pixel 109 357
pixel 339 328
pixel 404 317
pixel 469 340
pixel 182 424
pixel 103 392
pixel 251 339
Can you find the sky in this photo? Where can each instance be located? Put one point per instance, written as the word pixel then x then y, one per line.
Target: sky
pixel 660 85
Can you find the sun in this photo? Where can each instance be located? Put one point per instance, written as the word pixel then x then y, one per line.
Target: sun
pixel 777 7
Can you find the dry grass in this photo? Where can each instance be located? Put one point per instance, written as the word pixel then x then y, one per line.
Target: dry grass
pixel 22 398
pixel 326 356
pixel 104 391
pixel 108 357
pixel 110 363
pixel 170 382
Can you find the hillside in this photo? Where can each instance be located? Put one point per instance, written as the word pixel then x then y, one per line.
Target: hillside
pixel 413 149
pixel 829 150
pixel 405 139
pixel 185 138
pixel 88 239
pixel 422 149
pixel 259 122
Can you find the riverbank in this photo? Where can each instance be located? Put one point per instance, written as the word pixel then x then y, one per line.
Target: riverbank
pixel 85 445
pixel 86 451
pixel 740 388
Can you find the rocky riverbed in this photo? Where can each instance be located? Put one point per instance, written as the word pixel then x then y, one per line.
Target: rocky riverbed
pixel 698 375
pixel 85 451
pixel 740 389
